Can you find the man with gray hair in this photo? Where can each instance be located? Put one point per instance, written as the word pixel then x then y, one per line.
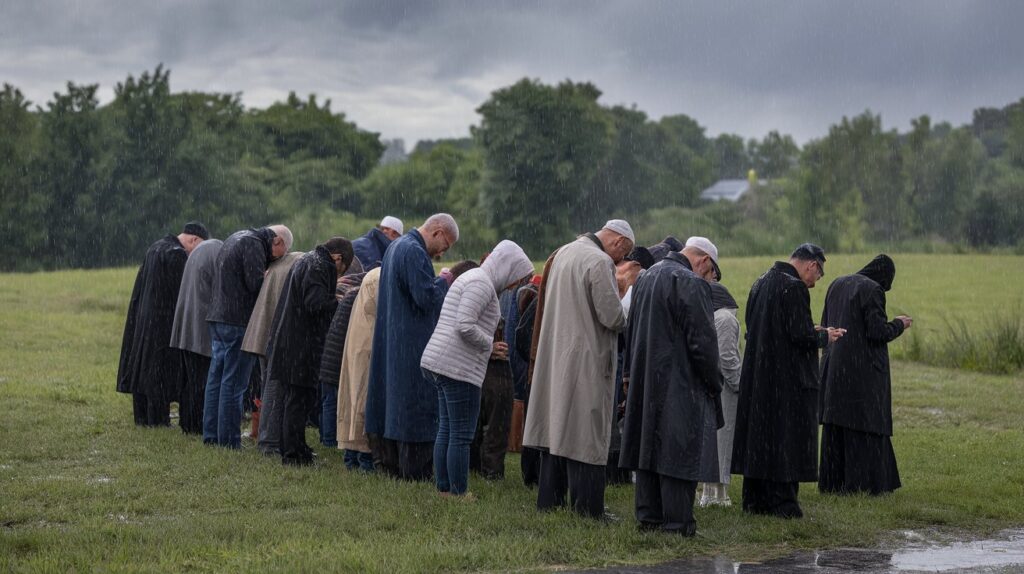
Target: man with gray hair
pixel 401 404
pixel 569 418
pixel 241 265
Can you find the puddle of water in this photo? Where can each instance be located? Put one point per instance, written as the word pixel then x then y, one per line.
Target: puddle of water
pixel 964 555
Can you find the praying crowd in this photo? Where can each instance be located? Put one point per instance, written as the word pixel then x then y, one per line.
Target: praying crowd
pixel 618 364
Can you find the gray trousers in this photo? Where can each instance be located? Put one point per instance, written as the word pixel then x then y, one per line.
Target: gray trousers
pixel 271 413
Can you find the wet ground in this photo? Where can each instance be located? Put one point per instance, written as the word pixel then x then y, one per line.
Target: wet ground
pixel 1002 554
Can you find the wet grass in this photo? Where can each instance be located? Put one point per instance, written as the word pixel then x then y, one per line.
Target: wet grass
pixel 82 489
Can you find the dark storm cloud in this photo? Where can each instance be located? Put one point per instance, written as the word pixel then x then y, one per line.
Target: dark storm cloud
pixel 419 69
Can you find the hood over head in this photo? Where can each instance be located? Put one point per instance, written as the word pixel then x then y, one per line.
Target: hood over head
pixel 881 270
pixel 721 298
pixel 506 264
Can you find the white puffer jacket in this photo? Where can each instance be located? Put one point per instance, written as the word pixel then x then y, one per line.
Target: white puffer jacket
pixel 464 335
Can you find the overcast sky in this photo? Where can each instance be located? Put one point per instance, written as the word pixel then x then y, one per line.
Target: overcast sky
pixel 419 69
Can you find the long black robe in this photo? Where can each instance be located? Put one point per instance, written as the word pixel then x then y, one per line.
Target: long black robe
pixel 777 417
pixel 856 389
pixel 148 366
pixel 670 426
pixel 302 319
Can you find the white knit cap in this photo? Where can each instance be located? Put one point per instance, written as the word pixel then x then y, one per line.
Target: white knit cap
pixel 394 223
pixel 705 245
pixel 620 226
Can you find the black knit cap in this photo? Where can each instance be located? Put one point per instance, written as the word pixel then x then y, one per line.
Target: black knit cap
pixel 642 256
pixel 810 252
pixel 197 229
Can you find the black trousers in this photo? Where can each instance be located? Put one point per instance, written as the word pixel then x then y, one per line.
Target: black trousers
pixel 583 483
pixel 762 496
pixel 487 453
pixel 150 412
pixel 529 462
pixel 196 368
pixel 854 461
pixel 294 449
pixel 665 502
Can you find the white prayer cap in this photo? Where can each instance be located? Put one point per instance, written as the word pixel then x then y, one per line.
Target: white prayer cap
pixel 620 226
pixel 705 245
pixel 394 223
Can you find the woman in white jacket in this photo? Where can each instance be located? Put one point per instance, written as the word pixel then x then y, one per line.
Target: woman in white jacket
pixel 456 357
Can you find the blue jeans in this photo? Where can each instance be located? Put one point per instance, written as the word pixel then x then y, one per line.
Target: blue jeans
pixel 361 460
pixel 329 415
pixel 458 407
pixel 230 368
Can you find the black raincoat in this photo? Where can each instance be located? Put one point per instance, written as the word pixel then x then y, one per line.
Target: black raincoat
pixel 301 320
pixel 148 365
pixel 777 416
pixel 671 415
pixel 241 264
pixel 855 383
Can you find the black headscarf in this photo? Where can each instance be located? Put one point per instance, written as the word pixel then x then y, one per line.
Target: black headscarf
pixel 721 298
pixel 881 270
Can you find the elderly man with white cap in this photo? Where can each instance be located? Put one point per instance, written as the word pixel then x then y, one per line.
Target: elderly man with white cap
pixel 669 435
pixel 370 247
pixel 572 397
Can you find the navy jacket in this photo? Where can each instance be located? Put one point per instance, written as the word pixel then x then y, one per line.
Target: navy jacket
pixel 370 248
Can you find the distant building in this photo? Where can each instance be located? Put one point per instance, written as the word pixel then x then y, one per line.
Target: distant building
pixel 727 189
pixel 394 152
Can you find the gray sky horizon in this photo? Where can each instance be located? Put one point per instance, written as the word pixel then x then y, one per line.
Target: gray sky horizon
pixel 418 70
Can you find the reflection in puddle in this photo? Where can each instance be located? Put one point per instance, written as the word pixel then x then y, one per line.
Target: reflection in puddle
pixel 980 556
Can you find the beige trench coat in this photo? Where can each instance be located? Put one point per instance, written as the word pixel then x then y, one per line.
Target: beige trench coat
pixel 355 366
pixel 257 333
pixel 573 391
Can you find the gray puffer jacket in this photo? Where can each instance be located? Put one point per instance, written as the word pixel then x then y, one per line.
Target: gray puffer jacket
pixel 464 335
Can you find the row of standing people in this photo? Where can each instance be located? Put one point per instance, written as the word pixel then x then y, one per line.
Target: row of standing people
pixel 407 386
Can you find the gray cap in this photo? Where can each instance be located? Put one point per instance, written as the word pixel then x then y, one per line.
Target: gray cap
pixel 620 226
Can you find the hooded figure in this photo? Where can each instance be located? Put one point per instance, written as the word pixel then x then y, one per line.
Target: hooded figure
pixel 191 334
pixel 330 361
pixel 855 396
pixel 455 359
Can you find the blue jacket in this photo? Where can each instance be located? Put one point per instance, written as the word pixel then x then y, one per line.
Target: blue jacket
pixel 370 248
pixel 400 403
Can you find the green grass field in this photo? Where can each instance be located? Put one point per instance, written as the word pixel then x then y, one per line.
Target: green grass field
pixel 82 489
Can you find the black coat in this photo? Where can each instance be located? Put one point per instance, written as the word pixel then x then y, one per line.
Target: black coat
pixel 777 416
pixel 301 320
pixel 670 425
pixel 241 263
pixel 855 384
pixel 334 344
pixel 148 365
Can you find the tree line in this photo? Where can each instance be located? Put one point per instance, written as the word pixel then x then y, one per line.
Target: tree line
pixel 90 185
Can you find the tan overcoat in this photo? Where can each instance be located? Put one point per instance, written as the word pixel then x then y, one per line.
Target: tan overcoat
pixel 257 333
pixel 573 390
pixel 355 366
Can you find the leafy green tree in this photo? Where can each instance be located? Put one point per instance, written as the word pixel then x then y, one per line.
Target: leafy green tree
pixel 542 145
pixel 23 225
pixel 774 155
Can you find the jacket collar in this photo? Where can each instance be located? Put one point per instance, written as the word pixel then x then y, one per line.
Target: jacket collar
pixel 415 234
pixel 596 241
pixel 785 267
pixel 679 258
pixel 323 254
